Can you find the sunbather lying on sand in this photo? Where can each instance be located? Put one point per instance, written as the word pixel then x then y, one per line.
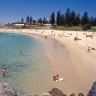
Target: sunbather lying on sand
pixel 57 78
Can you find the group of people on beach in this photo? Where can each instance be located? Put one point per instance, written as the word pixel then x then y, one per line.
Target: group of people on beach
pixel 89 49
pixel 57 78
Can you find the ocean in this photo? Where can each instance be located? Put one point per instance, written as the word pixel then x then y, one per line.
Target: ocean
pixel 28 67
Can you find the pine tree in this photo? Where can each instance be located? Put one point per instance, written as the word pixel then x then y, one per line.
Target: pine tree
pixel 78 19
pixel 73 18
pixel 59 19
pixel 94 22
pixel 34 21
pixel 62 20
pixel 91 20
pixel 44 20
pixel 67 17
pixel 28 19
pixel 22 20
pixel 52 18
pixel 40 20
pixel 85 19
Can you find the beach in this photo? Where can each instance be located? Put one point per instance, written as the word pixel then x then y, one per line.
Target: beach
pixel 70 59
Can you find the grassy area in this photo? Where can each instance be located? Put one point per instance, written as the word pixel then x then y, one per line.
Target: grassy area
pixel 93 29
pixel 74 28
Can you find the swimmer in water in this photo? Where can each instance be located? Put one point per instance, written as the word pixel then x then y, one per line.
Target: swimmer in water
pixel 21 52
pixel 4 70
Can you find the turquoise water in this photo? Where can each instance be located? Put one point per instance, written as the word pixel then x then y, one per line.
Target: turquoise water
pixel 29 70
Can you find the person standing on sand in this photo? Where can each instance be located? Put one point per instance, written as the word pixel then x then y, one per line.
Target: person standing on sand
pixel 88 50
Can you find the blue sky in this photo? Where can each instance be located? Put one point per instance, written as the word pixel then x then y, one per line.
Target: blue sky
pixel 13 10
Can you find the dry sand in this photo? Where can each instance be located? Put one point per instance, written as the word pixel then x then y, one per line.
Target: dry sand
pixel 70 58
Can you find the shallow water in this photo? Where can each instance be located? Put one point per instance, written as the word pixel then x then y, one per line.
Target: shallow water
pixel 28 70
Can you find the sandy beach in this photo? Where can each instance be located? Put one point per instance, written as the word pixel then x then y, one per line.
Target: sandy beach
pixel 69 58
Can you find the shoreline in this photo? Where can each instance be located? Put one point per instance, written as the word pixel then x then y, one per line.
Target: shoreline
pixel 80 76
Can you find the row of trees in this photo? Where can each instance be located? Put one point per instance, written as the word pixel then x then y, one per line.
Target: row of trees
pixel 70 18
pixel 30 20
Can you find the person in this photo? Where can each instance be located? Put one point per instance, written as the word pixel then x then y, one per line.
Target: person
pixel 93 48
pixel 21 52
pixel 55 77
pixel 4 70
pixel 75 38
pixel 88 50
pixel 45 37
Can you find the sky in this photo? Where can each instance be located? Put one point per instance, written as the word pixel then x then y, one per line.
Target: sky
pixel 14 10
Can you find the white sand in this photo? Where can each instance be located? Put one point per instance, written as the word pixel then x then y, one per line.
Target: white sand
pixel 79 68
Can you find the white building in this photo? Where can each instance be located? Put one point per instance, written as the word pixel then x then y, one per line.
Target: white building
pixel 19 25
pixel 47 25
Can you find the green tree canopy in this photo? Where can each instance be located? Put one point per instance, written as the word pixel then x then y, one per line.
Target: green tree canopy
pixel 28 19
pixel 52 18
pixel 40 20
pixel 85 19
pixel 67 17
pixel 59 19
pixel 22 20
pixel 73 18
pixel 45 20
